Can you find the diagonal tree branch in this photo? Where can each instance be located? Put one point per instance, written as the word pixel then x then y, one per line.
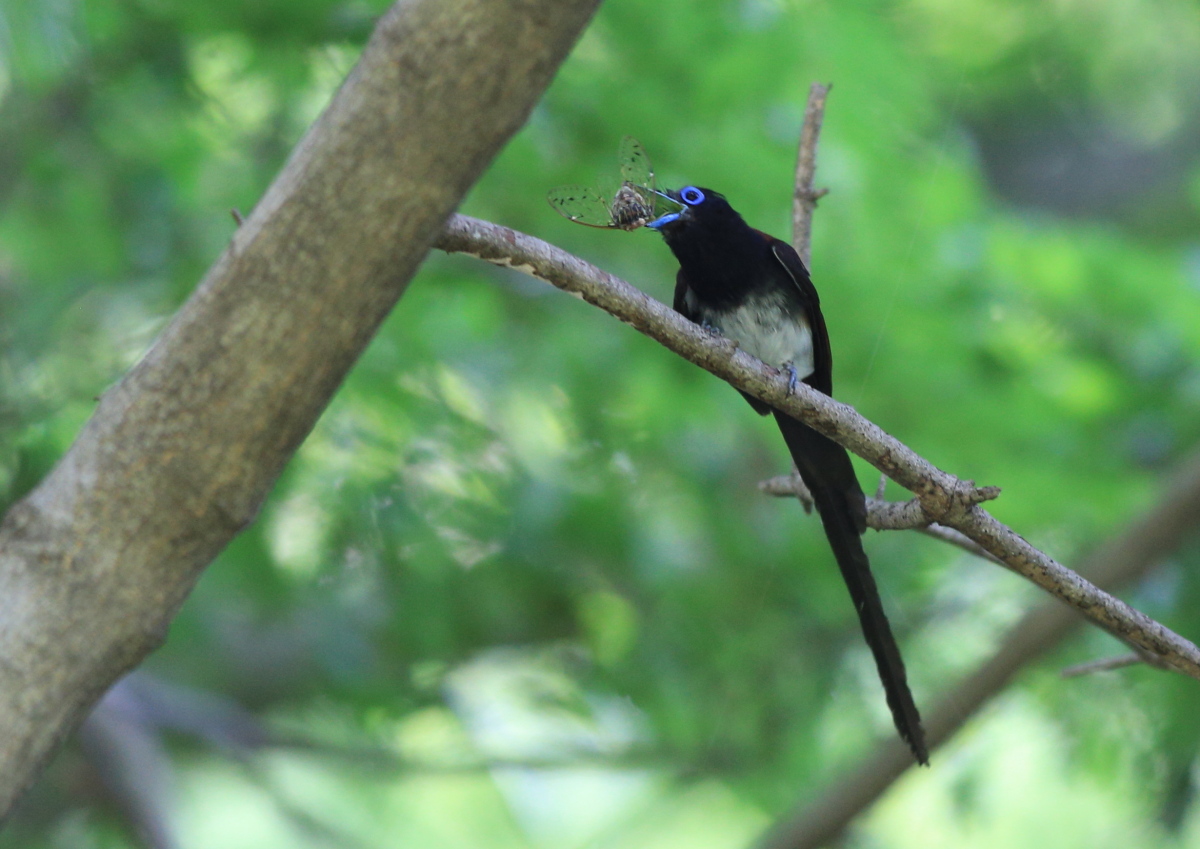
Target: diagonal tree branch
pixel 181 453
pixel 941 497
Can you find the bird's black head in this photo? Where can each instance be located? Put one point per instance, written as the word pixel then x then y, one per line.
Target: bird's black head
pixel 707 235
pixel 702 209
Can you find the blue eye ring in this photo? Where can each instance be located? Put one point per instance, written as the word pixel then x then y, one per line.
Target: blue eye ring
pixel 691 196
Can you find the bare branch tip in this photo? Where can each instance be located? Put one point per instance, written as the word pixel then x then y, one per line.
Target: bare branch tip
pixel 811 195
pixel 986 493
pixel 801 491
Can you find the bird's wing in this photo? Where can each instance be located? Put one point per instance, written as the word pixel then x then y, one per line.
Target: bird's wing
pixel 680 304
pixel 821 378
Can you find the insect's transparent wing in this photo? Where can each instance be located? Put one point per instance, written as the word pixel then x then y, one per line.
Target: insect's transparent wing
pixel 661 204
pixel 637 171
pixel 582 205
pixel 635 164
pixel 606 186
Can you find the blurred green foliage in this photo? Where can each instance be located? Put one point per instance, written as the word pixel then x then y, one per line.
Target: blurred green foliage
pixel 524 531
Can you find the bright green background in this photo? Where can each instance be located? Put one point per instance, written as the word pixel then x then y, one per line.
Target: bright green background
pixel 523 531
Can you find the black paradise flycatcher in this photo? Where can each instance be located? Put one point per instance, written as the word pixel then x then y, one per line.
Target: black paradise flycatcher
pixel 755 289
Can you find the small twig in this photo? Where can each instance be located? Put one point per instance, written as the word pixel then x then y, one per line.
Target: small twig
pixel 789 486
pixel 237 216
pixel 805 199
pixel 961 540
pixel 885 515
pixel 882 515
pixel 1138 655
pixel 1104 664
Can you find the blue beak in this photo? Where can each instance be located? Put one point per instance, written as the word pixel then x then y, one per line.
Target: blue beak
pixel 663 220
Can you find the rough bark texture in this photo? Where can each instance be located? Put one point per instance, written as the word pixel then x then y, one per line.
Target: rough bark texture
pixel 181 453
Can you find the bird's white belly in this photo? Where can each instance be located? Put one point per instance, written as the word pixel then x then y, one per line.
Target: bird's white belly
pixel 762 328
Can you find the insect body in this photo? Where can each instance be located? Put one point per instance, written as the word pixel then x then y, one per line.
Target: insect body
pixel 631 208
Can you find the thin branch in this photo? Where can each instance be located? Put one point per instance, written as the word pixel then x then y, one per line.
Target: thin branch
pixel 882 515
pixel 1104 664
pixel 961 540
pixel 805 199
pixel 942 497
pixel 1136 657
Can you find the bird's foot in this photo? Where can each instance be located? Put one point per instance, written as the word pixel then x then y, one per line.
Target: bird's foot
pixel 793 378
pixel 708 326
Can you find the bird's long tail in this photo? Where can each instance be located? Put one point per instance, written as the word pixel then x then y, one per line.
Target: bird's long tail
pixel 825 468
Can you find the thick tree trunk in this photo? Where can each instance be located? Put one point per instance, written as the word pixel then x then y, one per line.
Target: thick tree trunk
pixel 181 453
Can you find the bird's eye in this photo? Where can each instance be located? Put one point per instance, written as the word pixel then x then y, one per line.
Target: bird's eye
pixel 692 196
